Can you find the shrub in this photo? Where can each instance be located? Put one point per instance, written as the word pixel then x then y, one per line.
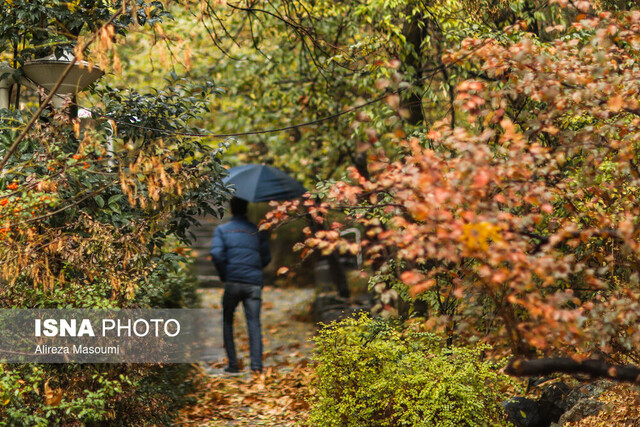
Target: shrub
pixel 112 394
pixel 370 372
pixel 103 394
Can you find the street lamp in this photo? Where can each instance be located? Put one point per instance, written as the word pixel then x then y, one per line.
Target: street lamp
pixel 46 72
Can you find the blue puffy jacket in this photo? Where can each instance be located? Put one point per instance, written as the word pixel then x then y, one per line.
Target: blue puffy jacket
pixel 240 251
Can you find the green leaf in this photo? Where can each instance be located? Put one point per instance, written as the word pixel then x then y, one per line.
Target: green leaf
pixel 114 199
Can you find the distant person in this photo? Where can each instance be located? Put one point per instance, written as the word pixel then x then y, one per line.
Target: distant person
pixel 240 252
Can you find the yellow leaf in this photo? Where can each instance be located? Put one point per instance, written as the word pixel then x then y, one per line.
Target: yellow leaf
pixel 52 397
pixel 478 236
pixel 73 5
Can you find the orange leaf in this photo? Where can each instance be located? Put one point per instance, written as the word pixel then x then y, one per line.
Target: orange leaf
pixel 421 287
pixel 410 278
pixel 615 104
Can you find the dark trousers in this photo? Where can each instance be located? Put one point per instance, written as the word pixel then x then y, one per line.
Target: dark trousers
pixel 251 297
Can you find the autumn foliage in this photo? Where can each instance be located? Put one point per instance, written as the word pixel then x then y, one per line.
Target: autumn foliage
pixel 523 215
pixel 93 209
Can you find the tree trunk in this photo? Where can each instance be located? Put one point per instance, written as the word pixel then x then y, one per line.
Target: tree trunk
pixel 414 35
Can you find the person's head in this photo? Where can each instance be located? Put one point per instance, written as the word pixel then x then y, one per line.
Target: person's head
pixel 238 207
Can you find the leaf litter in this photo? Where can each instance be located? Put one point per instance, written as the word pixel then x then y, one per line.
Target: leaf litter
pixel 276 397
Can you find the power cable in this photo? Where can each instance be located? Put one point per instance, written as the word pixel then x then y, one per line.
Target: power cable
pixel 255 132
pixel 432 71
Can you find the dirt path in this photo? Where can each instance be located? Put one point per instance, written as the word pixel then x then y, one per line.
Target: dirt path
pixel 278 396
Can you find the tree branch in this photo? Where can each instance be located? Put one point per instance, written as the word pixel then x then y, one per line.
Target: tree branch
pixel 566 365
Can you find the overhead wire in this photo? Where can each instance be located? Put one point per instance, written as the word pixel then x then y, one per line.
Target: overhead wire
pixel 375 100
pixel 386 94
pixel 248 133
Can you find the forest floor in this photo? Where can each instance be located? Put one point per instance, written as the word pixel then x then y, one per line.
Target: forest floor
pixel 278 396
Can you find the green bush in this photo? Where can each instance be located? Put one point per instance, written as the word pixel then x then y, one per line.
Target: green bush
pixel 100 394
pixel 372 373
pixel 104 394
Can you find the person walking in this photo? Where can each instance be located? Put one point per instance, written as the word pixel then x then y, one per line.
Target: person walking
pixel 240 252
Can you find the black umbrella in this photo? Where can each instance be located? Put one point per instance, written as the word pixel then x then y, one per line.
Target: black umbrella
pixel 261 183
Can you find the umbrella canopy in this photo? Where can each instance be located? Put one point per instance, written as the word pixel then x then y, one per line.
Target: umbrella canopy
pixel 261 183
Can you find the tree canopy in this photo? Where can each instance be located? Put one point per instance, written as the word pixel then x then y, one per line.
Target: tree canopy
pixel 486 149
pixel 514 215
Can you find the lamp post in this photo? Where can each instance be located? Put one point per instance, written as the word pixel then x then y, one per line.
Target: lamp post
pixel 5 84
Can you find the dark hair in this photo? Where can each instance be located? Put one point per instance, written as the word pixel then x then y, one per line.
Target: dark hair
pixel 238 206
